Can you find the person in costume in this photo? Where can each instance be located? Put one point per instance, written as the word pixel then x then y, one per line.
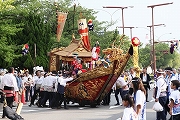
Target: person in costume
pixel 78 67
pixel 90 25
pixel 96 51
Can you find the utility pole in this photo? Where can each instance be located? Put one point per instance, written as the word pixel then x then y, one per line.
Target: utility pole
pixel 130 30
pixel 122 9
pixel 151 43
pixel 153 47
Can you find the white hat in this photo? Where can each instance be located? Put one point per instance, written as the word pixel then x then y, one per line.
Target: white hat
pixel 161 72
pixel 1 71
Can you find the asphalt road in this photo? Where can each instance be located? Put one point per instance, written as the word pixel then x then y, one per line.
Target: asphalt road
pixel 75 112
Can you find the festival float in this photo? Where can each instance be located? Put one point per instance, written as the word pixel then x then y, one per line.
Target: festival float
pixel 90 87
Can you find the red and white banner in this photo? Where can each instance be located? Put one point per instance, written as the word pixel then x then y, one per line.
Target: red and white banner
pixel 83 31
pixel 61 19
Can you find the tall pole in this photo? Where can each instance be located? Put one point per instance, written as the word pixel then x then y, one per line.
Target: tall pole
pixel 122 8
pixel 154 57
pixel 123 19
pixel 129 28
pixel 150 26
pixel 153 48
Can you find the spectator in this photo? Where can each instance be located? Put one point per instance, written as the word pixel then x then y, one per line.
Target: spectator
pixel 145 79
pixel 139 98
pixel 129 113
pixel 160 94
pixel 9 87
pixel 175 101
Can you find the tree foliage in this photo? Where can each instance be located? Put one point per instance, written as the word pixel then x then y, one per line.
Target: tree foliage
pixel 7 29
pixel 163 57
pixel 34 22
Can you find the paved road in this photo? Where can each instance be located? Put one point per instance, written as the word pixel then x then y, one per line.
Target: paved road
pixel 75 112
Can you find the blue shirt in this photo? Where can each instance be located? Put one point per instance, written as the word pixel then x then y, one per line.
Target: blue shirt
pixel 19 82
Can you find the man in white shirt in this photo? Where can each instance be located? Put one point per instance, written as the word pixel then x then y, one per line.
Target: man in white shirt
pixel 145 79
pixel 9 87
pixel 51 80
pixel 132 74
pixel 59 87
pixel 161 95
pixel 124 86
pixel 27 81
pixel 168 78
pixel 175 73
pixel 37 79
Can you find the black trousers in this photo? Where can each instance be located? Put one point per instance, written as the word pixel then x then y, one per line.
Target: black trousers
pixel 34 96
pixel 175 117
pixel 27 93
pixel 117 92
pixel 9 101
pixel 162 115
pixel 57 100
pixel 44 99
pixel 107 98
pixel 146 88
pixel 41 95
pixel 63 99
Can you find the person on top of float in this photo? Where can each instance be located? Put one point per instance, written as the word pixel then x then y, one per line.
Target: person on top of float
pixel 78 66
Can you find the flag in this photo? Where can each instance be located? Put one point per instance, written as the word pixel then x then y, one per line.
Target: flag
pixel 90 25
pixel 83 31
pixel 175 45
pixel 25 49
pixel 61 19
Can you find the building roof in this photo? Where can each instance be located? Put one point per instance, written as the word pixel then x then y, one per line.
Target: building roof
pixel 75 47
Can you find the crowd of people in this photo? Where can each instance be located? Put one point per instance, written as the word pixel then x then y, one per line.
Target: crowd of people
pixel 134 93
pixel 42 86
pixel 132 89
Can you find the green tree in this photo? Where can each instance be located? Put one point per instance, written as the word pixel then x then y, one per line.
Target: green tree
pixel 163 58
pixel 37 25
pixel 8 51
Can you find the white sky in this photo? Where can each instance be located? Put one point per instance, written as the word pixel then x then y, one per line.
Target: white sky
pixel 140 16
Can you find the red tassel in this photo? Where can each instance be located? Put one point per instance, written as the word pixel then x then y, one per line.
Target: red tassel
pixel 23 97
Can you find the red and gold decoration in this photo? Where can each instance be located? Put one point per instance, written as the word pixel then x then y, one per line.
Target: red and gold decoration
pixel 95 84
pixel 53 62
pixel 61 19
pixel 83 31
pixel 136 43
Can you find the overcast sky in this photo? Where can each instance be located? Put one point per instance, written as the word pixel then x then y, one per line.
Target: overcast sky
pixel 140 16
